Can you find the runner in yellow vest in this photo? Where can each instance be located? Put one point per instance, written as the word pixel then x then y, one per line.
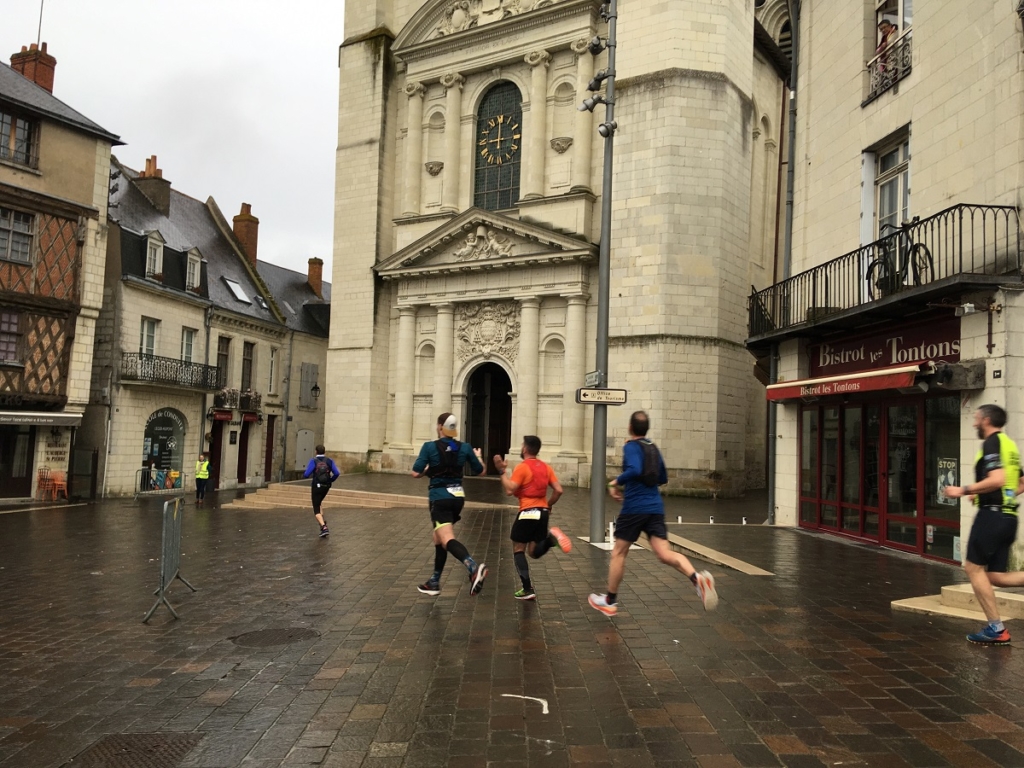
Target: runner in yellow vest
pixel 202 477
pixel 994 490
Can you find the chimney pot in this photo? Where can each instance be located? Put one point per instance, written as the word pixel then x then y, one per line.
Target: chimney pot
pixel 247 229
pixel 154 186
pixel 36 65
pixel 315 276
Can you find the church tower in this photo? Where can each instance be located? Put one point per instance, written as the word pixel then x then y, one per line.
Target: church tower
pixel 468 213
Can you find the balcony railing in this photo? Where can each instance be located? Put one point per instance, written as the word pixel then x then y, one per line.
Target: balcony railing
pixel 891 65
pixel 26 156
pixel 250 401
pixel 959 241
pixel 136 366
pixel 226 398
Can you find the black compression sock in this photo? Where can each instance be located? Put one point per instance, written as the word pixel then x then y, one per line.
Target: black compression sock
pixel 693 577
pixel 458 551
pixel 440 557
pixel 540 548
pixel 523 568
pixel 611 596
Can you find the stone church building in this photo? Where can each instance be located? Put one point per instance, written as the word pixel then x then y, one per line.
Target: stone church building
pixel 467 222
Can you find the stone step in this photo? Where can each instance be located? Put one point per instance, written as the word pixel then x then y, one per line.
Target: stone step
pixel 296 496
pixel 1010 604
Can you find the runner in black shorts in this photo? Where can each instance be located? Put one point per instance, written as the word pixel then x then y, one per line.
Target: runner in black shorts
pixel 444 461
pixel 997 481
pixel 530 535
pixel 643 511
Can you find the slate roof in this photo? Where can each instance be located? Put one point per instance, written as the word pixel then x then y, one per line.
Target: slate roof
pixel 302 309
pixel 29 97
pixel 190 225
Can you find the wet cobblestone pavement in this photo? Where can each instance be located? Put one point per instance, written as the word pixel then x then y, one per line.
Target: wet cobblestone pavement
pixel 805 668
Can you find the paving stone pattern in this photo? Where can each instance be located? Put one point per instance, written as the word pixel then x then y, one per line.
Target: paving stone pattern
pixel 806 668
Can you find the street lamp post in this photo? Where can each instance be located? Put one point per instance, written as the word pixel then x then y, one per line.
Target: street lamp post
pixel 609 11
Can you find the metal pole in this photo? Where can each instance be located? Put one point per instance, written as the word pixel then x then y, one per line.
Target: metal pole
pixel 599 448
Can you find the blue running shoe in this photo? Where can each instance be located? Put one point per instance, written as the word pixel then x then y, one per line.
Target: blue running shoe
pixel 988 636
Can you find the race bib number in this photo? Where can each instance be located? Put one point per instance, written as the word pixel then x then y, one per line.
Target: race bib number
pixel 456 491
pixel 530 514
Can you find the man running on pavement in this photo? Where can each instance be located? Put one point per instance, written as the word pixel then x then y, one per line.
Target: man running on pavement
pixel 643 511
pixel 443 461
pixel 324 472
pixel 997 480
pixel 530 534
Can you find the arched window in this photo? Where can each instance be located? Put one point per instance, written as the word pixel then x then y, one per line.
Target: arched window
pixel 498 148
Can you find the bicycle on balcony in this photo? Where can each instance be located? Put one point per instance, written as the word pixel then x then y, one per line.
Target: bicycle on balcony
pixel 899 258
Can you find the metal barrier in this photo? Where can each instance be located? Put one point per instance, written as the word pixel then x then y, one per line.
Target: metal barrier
pixel 170 556
pixel 160 482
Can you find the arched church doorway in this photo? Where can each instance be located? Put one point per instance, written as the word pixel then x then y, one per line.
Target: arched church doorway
pixel 489 423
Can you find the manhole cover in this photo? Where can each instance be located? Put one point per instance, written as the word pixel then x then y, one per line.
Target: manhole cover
pixel 264 638
pixel 137 750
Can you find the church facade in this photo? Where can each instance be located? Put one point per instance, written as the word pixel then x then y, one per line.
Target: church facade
pixel 468 216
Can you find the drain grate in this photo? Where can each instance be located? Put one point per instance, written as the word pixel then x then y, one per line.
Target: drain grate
pixel 137 750
pixel 264 638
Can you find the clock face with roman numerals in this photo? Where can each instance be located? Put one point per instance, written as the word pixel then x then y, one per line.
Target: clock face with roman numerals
pixel 499 140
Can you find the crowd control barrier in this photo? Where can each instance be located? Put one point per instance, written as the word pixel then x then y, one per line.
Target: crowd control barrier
pixel 170 556
pixel 160 482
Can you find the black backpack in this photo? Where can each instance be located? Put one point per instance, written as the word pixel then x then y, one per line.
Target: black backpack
pixel 652 463
pixel 449 468
pixel 322 473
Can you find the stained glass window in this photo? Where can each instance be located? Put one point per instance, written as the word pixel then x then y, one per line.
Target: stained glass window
pixel 498 144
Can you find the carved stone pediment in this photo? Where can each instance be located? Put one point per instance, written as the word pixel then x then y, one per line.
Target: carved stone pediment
pixel 488 328
pixel 478 240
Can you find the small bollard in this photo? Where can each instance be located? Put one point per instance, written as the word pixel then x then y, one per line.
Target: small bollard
pixel 744 521
pixel 712 520
pixel 611 531
pixel 679 518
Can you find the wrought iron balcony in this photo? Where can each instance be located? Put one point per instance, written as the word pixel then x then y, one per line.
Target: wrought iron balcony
pixel 961 247
pixel 250 401
pixel 226 398
pixel 136 366
pixel 890 66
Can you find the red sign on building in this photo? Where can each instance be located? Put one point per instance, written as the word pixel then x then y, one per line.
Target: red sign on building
pixel 934 341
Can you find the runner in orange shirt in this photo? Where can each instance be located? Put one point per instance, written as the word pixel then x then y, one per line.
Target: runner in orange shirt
pixel 530 534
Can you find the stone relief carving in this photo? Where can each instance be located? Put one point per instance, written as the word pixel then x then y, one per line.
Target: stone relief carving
pixel 488 328
pixel 561 144
pixel 484 243
pixel 467 14
pixel 434 167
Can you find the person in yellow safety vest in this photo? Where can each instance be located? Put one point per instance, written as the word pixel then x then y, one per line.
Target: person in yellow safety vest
pixel 202 477
pixel 997 483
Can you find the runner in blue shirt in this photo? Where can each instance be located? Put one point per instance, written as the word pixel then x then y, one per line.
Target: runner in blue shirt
pixel 444 461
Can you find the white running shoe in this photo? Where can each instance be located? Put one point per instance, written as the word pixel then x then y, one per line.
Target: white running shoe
pixel 600 603
pixel 706 590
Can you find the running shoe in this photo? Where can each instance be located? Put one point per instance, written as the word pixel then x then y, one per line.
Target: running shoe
pixel 324 532
pixel 525 594
pixel 706 590
pixel 476 579
pixel 988 636
pixel 564 542
pixel 431 588
pixel 600 603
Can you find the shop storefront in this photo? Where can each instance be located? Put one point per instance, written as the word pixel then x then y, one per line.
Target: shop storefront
pixel 879 437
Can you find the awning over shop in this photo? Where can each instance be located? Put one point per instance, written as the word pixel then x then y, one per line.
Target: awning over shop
pixel 41 418
pixel 847 384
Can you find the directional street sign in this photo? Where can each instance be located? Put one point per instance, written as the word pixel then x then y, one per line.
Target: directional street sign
pixel 592 379
pixel 594 396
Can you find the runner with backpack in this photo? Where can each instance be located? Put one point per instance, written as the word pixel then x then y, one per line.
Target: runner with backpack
pixel 444 461
pixel 324 472
pixel 643 511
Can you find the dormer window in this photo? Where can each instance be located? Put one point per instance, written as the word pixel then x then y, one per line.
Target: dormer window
pixel 18 140
pixel 193 272
pixel 154 255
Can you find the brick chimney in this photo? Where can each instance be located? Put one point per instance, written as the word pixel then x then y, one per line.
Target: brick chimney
pixel 316 276
pixel 35 64
pixel 152 184
pixel 247 230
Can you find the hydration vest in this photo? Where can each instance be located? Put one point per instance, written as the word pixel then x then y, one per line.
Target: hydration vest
pixel 537 488
pixel 450 467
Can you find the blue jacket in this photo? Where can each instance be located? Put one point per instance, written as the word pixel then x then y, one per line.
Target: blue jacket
pixel 311 468
pixel 429 457
pixel 640 499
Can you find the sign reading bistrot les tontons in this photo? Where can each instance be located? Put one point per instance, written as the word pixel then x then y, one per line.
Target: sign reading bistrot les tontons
pixel 934 341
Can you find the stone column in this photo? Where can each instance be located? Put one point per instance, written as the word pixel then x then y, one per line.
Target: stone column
pixel 582 147
pixel 405 375
pixel 536 126
pixel 575 370
pixel 528 365
pixel 413 150
pixel 452 140
pixel 444 358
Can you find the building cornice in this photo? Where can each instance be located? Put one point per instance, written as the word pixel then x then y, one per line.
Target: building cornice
pixel 44 203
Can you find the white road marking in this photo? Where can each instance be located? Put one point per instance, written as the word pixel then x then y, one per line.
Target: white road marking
pixel 543 702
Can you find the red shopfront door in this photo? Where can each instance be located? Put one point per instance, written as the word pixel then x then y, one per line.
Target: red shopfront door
pixel 874 470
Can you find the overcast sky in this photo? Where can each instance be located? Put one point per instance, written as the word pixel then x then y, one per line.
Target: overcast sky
pixel 237 100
